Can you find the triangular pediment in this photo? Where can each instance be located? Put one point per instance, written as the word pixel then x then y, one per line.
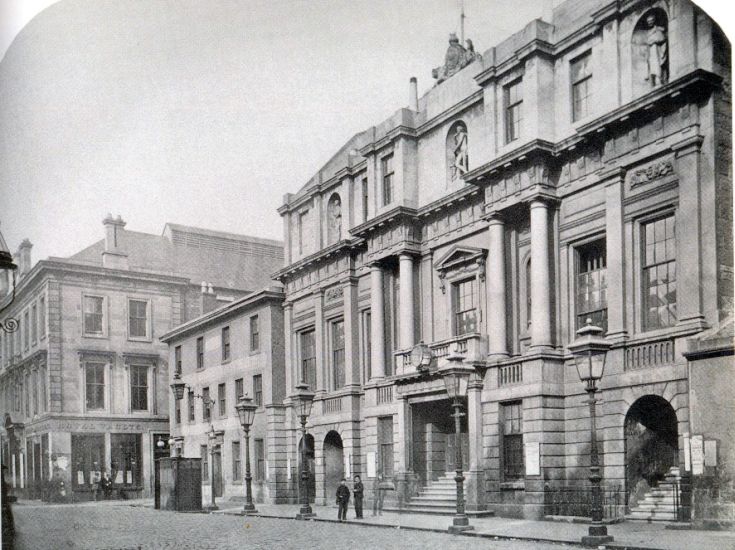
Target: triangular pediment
pixel 459 255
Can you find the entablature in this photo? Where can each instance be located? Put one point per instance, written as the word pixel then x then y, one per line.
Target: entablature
pixel 340 248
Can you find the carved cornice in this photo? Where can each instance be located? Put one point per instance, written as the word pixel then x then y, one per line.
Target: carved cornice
pixel 536 147
pixel 339 248
pixel 392 217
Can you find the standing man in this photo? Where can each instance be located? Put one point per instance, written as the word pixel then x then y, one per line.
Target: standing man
pixel 358 490
pixel 343 499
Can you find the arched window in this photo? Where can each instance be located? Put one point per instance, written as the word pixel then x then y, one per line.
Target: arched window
pixel 650 51
pixel 334 219
pixel 456 147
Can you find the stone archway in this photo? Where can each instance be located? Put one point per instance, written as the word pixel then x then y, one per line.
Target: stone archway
pixel 333 463
pixel 310 462
pixel 651 444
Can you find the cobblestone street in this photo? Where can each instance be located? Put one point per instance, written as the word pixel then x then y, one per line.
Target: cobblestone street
pixel 111 527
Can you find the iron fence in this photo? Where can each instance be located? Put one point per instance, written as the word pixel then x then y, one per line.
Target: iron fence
pixel 577 501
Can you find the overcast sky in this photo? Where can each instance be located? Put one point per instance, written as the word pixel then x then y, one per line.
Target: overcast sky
pixel 201 112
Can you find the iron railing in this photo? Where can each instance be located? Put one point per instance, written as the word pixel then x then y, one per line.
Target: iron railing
pixel 577 501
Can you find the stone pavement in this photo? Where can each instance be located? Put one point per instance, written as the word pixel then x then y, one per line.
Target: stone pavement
pixel 631 535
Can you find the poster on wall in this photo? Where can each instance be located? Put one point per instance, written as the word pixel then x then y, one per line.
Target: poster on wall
pixel 119 477
pixel 687 454
pixel 371 464
pixel 697 444
pixel 710 452
pixel 288 468
pixel 80 477
pixel 533 458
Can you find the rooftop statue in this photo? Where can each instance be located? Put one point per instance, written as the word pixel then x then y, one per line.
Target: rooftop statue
pixel 456 59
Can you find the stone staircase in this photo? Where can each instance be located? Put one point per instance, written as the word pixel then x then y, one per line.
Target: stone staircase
pixel 438 497
pixel 658 504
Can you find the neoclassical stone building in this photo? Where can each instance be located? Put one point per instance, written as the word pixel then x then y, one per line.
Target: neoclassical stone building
pixel 579 169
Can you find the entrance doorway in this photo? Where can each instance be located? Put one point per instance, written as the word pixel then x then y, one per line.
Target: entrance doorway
pixel 651 445
pixel 310 462
pixel 434 440
pixel 333 462
pixel 217 484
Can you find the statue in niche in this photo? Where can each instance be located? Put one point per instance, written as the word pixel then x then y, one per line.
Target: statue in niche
pixel 456 59
pixel 334 219
pixel 656 52
pixel 460 165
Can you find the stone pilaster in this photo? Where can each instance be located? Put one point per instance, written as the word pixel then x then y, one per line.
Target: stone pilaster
pixel 496 289
pixel 321 382
pixel 292 377
pixel 540 275
pixel 377 322
pixel 407 301
pixel 615 245
pixel 352 331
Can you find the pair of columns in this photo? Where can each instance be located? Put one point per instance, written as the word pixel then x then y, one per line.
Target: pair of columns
pixel 377 313
pixel 497 326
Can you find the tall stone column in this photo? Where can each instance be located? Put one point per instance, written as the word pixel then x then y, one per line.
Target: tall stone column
pixel 496 289
pixel 540 274
pixel 352 331
pixel 292 376
pixel 615 245
pixel 407 301
pixel 377 322
pixel 689 281
pixel 321 382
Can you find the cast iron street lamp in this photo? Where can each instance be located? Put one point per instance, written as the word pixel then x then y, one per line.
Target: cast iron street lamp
pixel 590 351
pixel 303 398
pixel 456 379
pixel 246 411
pixel 7 266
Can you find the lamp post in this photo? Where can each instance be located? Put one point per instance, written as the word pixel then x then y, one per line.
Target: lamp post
pixel 303 399
pixel 246 411
pixel 7 266
pixel 590 351
pixel 456 378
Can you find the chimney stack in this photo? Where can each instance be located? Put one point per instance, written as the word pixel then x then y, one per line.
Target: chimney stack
pixel 113 256
pixel 24 257
pixel 413 94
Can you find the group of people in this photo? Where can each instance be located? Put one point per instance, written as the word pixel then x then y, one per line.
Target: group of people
pixel 343 498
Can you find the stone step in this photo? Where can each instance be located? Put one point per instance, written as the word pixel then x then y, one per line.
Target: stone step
pixel 432 501
pixel 650 517
pixel 408 509
pixel 657 507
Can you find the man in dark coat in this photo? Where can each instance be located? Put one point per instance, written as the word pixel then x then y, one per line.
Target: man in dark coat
pixel 357 490
pixel 343 499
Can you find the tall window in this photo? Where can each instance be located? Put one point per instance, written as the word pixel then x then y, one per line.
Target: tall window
pixel 177 410
pixel 338 353
pixel 42 388
pixel 93 316
pixel 205 462
pixel 225 343
pixel 258 389
pixel 42 316
pixel 190 404
pixel 254 333
pixel 366 344
pixel 512 433
pixel 138 318
pixel 465 307
pixel 206 406
pixel 385 445
pixel 177 359
pixel 95 385
pixel 581 73
pixel 308 358
pixel 34 323
pixel 259 460
pixel 26 329
pixel 236 461
pixel 301 220
pixel 387 172
pixel 239 389
pixel 592 284
pixel 513 99
pixel 529 309
pixel 222 399
pixel 139 387
pixel 658 281
pixel 200 352
pixel 365 198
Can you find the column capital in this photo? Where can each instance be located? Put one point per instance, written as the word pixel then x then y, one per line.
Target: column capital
pixel 542 200
pixel 494 217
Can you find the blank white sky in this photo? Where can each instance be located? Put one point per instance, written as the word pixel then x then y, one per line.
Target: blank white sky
pixel 203 112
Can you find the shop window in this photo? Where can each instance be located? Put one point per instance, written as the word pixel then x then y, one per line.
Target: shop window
pixel 125 460
pixel 592 284
pixel 307 344
pixel 88 459
pixel 385 446
pixel 337 336
pixel 658 278
pixel 512 439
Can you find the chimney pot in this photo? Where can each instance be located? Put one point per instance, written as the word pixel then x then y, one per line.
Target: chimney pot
pixel 413 94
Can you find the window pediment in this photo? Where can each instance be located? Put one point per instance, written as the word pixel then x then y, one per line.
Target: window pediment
pixel 461 261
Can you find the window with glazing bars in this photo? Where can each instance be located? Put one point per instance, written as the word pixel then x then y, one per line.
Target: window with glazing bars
pixel 512 432
pixel 513 99
pixel 592 284
pixel 581 73
pixel 308 358
pixel 139 387
pixel 658 280
pixel 338 353
pixel 465 307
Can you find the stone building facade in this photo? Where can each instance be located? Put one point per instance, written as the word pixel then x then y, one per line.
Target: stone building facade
pixel 233 351
pixel 84 380
pixel 579 169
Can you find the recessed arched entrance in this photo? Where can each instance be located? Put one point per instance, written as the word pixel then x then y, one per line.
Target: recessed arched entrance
pixel 333 463
pixel 651 445
pixel 310 462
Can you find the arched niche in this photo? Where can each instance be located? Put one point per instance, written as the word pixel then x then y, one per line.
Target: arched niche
pixel 334 219
pixel 650 51
pixel 457 152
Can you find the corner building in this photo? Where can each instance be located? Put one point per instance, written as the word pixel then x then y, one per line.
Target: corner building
pixel 579 169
